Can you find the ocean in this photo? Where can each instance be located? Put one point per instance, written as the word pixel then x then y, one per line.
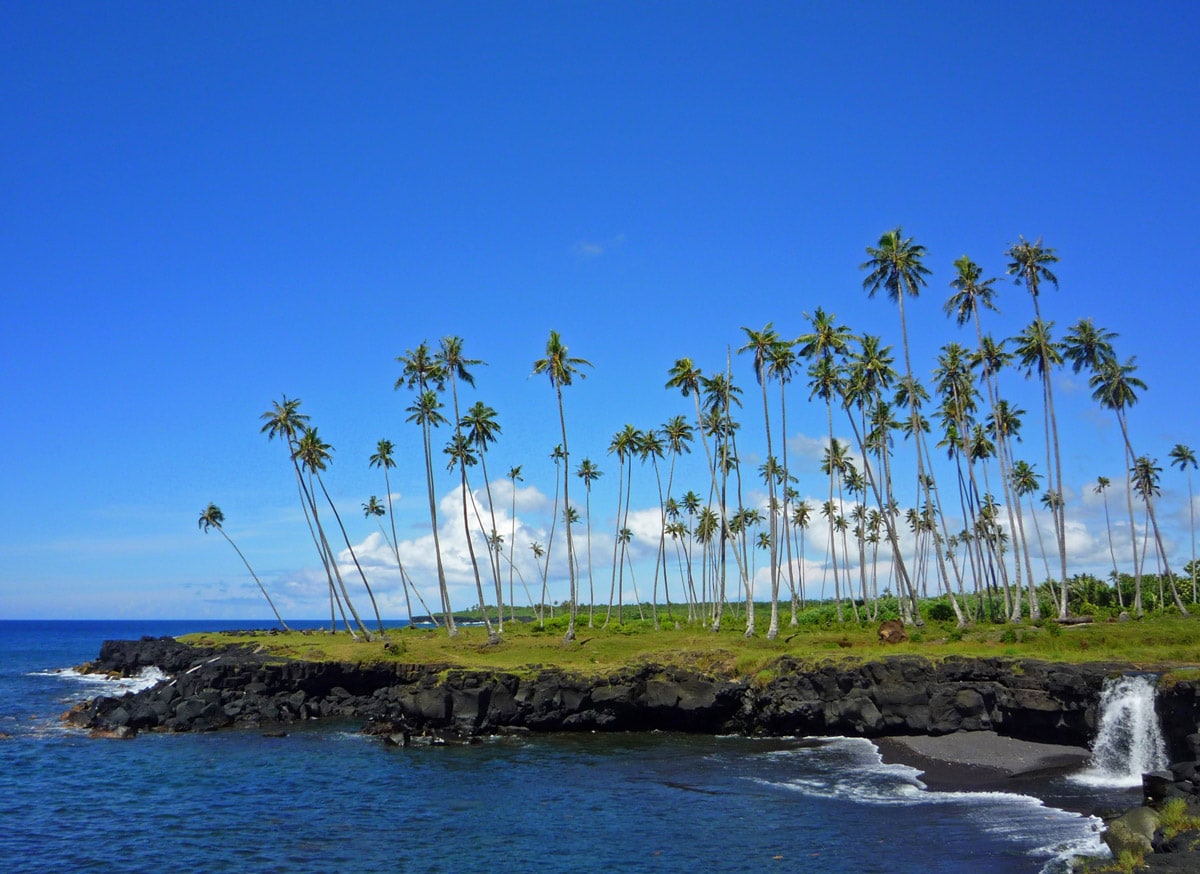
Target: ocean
pixel 328 799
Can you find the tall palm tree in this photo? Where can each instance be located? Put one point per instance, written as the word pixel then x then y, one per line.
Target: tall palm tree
pixel 721 395
pixel 514 474
pixel 623 444
pixel 1115 387
pixel 1028 264
pixel 1087 347
pixel 285 421
pixel 589 473
pixel 1038 353
pixel 1146 473
pixel 458 450
pixel 686 377
pixel 383 458
pixel 425 375
pixel 482 429
pixel 1184 458
pixel 650 446
pixel 781 365
pixel 763 344
pixel 1102 484
pixel 561 369
pixel 973 294
pixel 896 266
pixel 212 517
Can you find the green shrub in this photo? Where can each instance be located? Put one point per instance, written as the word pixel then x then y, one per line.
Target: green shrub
pixel 1009 635
pixel 940 611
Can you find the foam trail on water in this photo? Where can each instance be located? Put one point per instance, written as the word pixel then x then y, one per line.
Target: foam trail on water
pixel 1129 742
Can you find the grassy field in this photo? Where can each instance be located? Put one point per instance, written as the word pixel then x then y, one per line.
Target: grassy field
pixel 1164 641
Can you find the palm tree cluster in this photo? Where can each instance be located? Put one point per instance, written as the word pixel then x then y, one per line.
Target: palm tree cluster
pixel 970 544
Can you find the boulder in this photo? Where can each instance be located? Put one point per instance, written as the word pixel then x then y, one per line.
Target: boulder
pixel 892 631
pixel 1132 831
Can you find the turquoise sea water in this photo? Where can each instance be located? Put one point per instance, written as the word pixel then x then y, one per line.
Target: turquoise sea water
pixel 327 799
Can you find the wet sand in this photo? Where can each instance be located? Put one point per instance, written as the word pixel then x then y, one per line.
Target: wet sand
pixel 981 760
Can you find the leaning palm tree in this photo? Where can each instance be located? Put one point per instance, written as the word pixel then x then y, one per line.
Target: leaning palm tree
pixel 285 421
pixel 1184 458
pixel 1115 387
pixel 212 517
pixel 561 369
pixel 314 455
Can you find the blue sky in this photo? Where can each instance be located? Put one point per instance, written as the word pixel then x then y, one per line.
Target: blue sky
pixel 210 206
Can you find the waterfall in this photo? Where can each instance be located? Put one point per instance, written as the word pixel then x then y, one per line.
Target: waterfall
pixel 1129 741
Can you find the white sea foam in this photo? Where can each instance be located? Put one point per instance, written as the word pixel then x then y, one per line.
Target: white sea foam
pixel 858 774
pixel 102 684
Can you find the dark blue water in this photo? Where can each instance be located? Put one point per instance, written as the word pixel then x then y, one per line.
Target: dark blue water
pixel 327 799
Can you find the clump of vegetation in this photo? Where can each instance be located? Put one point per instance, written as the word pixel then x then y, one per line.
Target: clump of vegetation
pixel 1174 818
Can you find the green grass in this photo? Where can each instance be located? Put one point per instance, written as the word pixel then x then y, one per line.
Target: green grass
pixel 1163 642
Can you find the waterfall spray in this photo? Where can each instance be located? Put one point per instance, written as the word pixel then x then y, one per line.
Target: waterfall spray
pixel 1129 741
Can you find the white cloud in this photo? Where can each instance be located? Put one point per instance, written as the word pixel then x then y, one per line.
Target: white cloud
pixel 588 249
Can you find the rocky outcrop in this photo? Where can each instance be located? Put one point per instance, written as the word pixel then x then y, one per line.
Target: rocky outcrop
pixel 210 689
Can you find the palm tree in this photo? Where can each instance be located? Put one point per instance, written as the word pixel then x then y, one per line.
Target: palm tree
pixel 1102 484
pixel 212 517
pixel 514 474
pixel 686 377
pixel 1028 265
pixel 972 294
pixel 721 394
pixel 382 458
pixel 482 430
pixel 1038 352
pixel 1184 458
pixel 650 446
pixel 284 420
pixel 1146 473
pixel 1087 346
pixel 459 452
pixel 561 369
pixel 623 444
pixel 557 456
pixel 896 266
pixel 589 473
pixel 314 455
pixel 425 411
pixel 764 344
pixel 1115 388
pixel 781 365
pixel 423 373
